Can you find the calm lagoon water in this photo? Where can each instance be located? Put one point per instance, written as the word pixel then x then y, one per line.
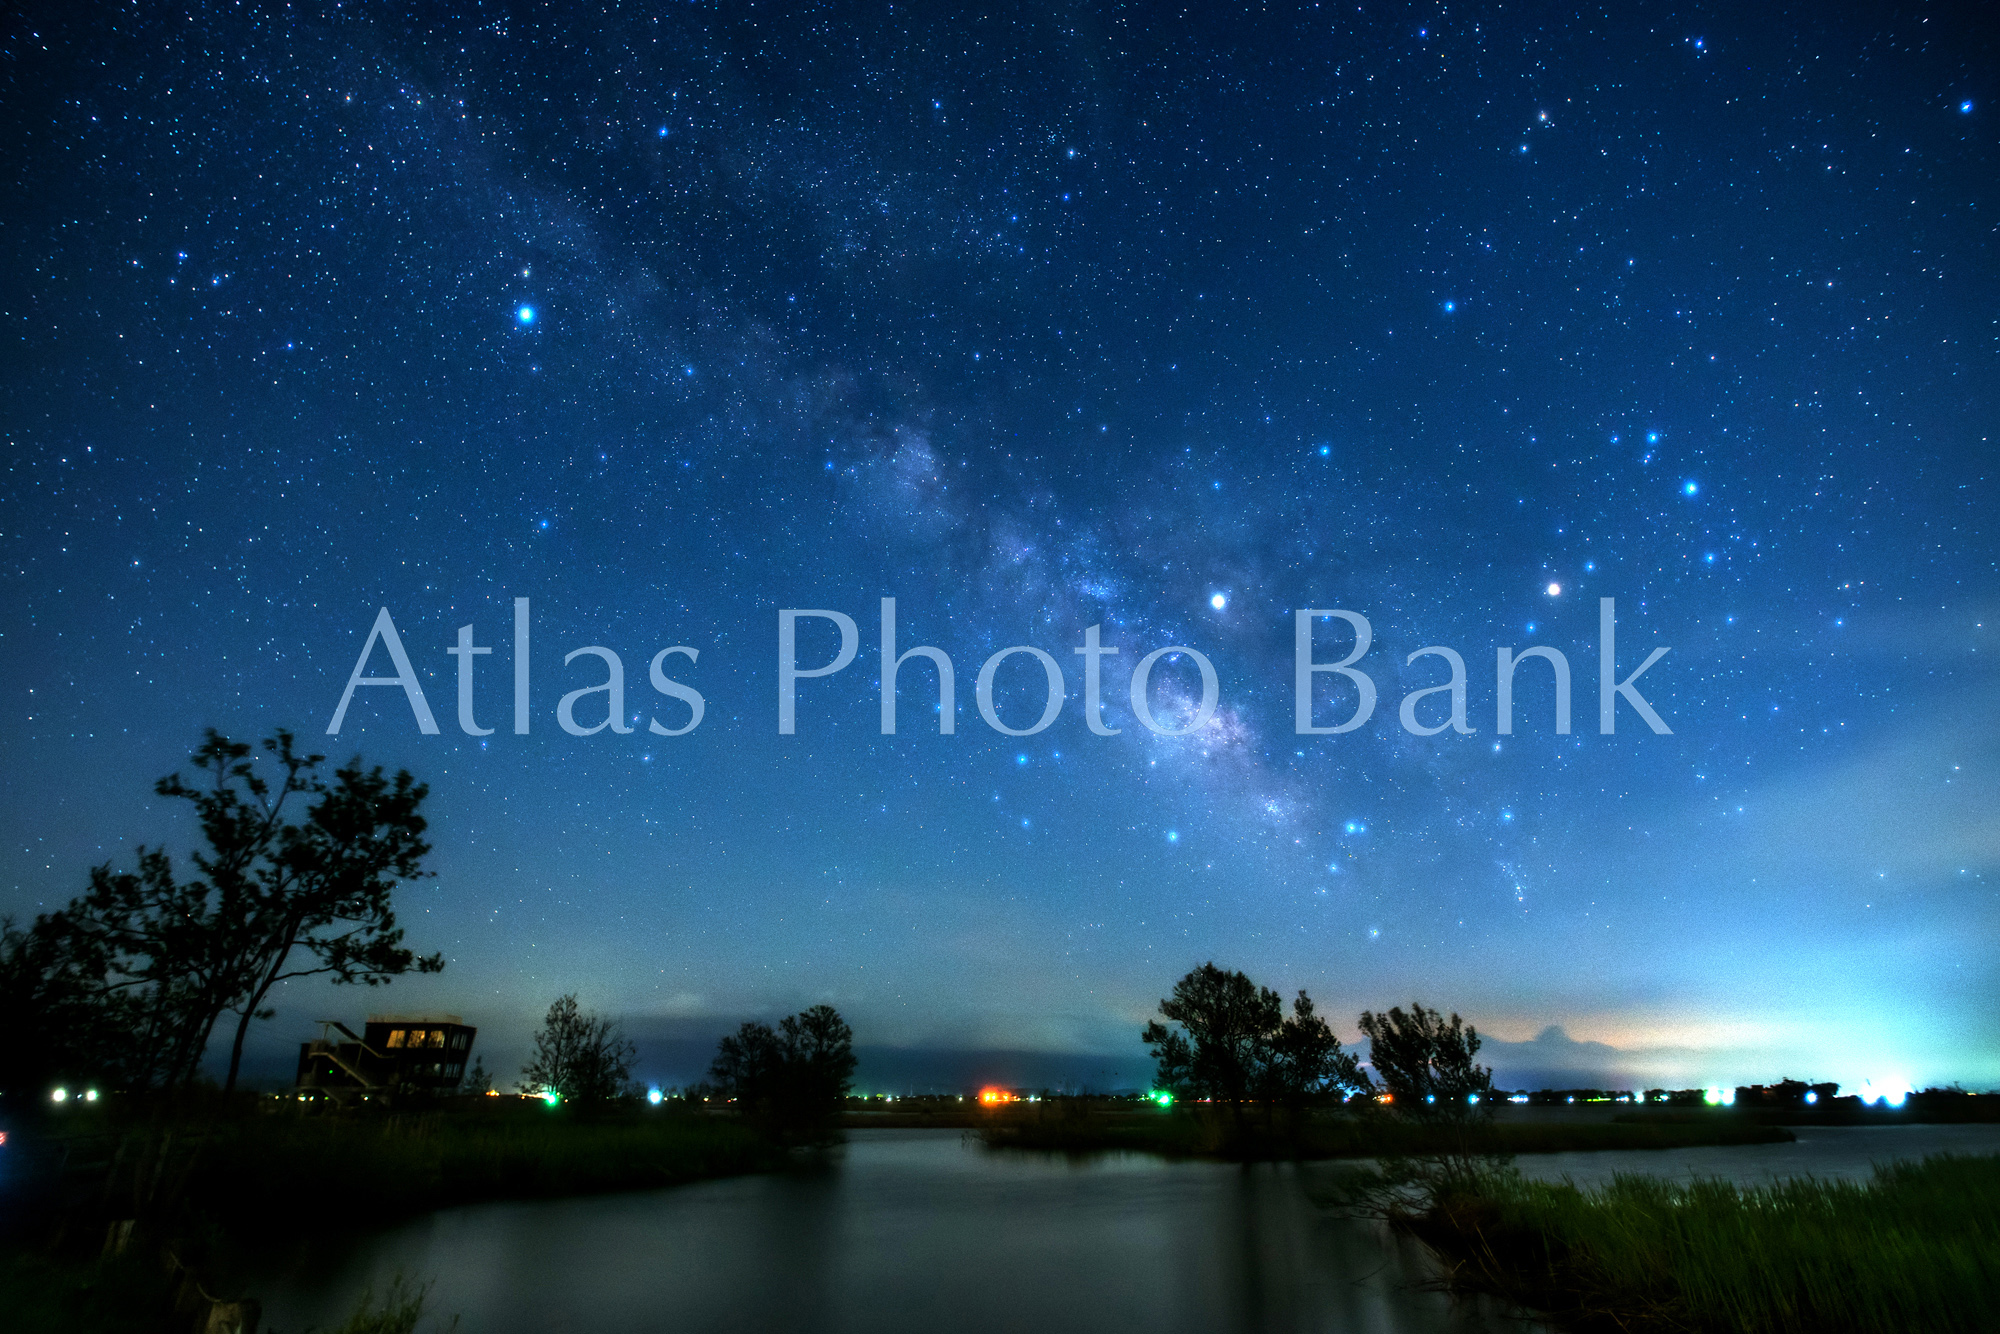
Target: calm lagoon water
pixel 926 1231
pixel 917 1231
pixel 1844 1153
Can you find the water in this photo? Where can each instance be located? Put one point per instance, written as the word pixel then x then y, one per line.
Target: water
pixel 928 1231
pixel 1844 1153
pixel 904 1231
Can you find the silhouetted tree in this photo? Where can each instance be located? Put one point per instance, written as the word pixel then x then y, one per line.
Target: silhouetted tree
pixel 1236 1042
pixel 1426 1063
pixel 582 1056
pixel 1304 1064
pixel 320 899
pixel 65 1029
pixel 136 972
pixel 1227 1021
pixel 792 1079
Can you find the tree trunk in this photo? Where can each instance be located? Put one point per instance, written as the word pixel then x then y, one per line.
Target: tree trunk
pixel 250 1005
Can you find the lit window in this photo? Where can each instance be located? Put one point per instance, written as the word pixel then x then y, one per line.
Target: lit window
pixel 437 1037
pixel 395 1037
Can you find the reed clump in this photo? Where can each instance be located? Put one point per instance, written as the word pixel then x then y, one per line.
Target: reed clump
pixel 1915 1248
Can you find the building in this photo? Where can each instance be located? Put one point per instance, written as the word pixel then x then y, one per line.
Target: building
pixel 394 1056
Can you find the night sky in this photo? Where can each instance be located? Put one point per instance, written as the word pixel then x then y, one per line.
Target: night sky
pixel 1037 318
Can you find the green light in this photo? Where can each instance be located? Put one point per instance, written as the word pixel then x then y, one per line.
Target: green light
pixel 551 1097
pixel 1164 1098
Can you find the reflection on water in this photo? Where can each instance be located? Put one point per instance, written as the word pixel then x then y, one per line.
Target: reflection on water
pixel 928 1231
pixel 904 1231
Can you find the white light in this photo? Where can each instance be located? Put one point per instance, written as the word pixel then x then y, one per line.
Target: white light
pixel 1555 590
pixel 90 1095
pixel 60 1095
pixel 1218 602
pixel 653 1096
pixel 1811 1098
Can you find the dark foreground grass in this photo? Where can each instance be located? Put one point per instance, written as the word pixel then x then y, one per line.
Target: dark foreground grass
pixel 1183 1134
pixel 1916 1248
pixel 212 1194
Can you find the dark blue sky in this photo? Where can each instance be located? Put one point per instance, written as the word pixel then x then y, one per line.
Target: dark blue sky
pixel 667 318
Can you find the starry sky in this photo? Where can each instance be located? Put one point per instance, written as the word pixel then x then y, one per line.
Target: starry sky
pixel 1036 318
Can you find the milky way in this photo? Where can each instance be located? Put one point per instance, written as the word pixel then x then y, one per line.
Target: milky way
pixel 1170 324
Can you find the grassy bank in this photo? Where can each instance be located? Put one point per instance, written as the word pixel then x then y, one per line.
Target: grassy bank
pixel 1916 1248
pixel 1212 1134
pixel 208 1189
pixel 345 1171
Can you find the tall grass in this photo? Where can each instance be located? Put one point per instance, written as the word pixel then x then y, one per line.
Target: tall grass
pixel 399 1311
pixel 1916 1248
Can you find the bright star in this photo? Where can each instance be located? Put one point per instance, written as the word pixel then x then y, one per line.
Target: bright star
pixel 1965 107
pixel 1218 602
pixel 1555 590
pixel 1450 306
pixel 525 315
pixel 1690 487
